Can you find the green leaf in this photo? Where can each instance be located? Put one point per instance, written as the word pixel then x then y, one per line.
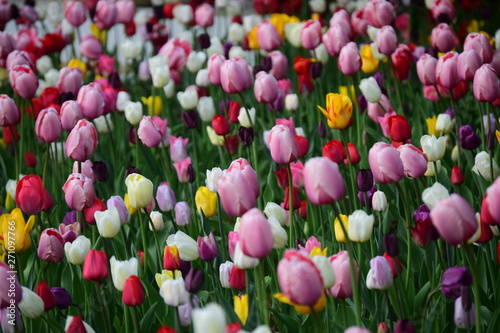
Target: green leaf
pixel 289 322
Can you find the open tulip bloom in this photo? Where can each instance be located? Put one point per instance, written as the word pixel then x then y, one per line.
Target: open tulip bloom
pixel 200 166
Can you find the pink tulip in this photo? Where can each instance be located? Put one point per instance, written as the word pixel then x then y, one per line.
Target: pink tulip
pixel 19 58
pixel 242 165
pixel 85 169
pixel 256 237
pixel 426 69
pixel 341 17
pixel 79 192
pixel 204 15
pixel 385 163
pixel 343 283
pixel 430 93
pixel 495 62
pixel 106 14
pixel 268 36
pixel 349 59
pixel 375 111
pixel 23 80
pixel 90 47
pixel 70 80
pixel 414 160
pixel 446 70
pixel 322 181
pixel 386 40
pixel 126 11
pixel 335 38
pixel 178 148
pixel 6 12
pixel 235 76
pixel 81 142
pixel 236 193
pixel 299 278
pixel 481 44
pixel 105 64
pixel 265 87
pixel 443 37
pixel 70 114
pixel 74 13
pixel 454 219
pixel 48 126
pixel 279 67
pixel 214 65
pixel 51 246
pixel 379 13
pixel 181 167
pixel 7 44
pixel 359 23
pixel 380 274
pixel 310 34
pixel 281 142
pixel 149 133
pixel 91 101
pixel 468 63
pixel 486 84
pixel 177 52
pixel 9 113
pixel 443 10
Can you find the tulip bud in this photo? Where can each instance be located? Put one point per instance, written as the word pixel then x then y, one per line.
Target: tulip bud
pixel 43 290
pixel 453 280
pixel 379 201
pixel 194 280
pixel 380 274
pixel 95 266
pixel 182 213
pixel 133 291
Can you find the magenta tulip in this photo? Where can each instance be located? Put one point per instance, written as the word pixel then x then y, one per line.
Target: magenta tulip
pixel 467 64
pixel 51 246
pixel 256 237
pixel 181 167
pixel 9 113
pixel 7 44
pixel 81 142
pixel 70 80
pixel 446 70
pixel 322 181
pixel 299 278
pixel 379 13
pixel 443 10
pixel 265 87
pixel 359 23
pixel 443 37
pixel 91 100
pixel 106 14
pixel 414 161
pixel 90 47
pixel 454 219
pixel 126 11
pixel 343 282
pixel 281 142
pixel 349 59
pixel 426 69
pixel 310 34
pixel 79 192
pixel 74 13
pixel 341 17
pixel 268 36
pixel 486 84
pixel 335 38
pixel 480 43
pixel 235 76
pixel 23 80
pixel 48 126
pixel 385 163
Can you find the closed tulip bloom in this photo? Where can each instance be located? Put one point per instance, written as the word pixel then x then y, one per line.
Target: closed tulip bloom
pixel 443 37
pixel 426 69
pixel 214 65
pixel 482 166
pixel 265 87
pixel 106 14
pixel 9 113
pixel 220 125
pixel 6 280
pixel 149 133
pixel 434 148
pixel 122 270
pixel 70 114
pixel 486 84
pixel 51 246
pixel 379 13
pixel 23 80
pixel 385 163
pixel 446 71
pixel 349 61
pixel 140 190
pixel 70 80
pixel 31 305
pixel 480 43
pixel 399 128
pixel 379 201
pixel 210 319
pixel 76 324
pixel 43 290
pixel 182 213
pixel 343 283
pixel 174 292
pixel 91 101
pixel 386 40
pixel 178 148
pixel 74 13
pixel 299 278
pixel 126 11
pixel 108 222
pixel 453 280
pixel 468 138
pixel 467 64
pixel 207 247
pixel 95 266
pixel 281 142
pixel 323 265
pixel 81 142
pixel 322 181
pixel 206 201
pixel 360 226
pixel 380 274
pixel 79 192
pixel 335 38
pixel 133 291
pixel 171 259
pixel 188 248
pixel 310 34
pixel 370 89
pixel 268 36
pixel 414 161
pixel 31 197
pixel 279 65
pixel 204 15
pixel 165 197
pixel 462 318
pixel 21 232
pixel 48 126
pixel 454 219
pixel 432 195
pixel 117 202
pixel 255 234
pixel 90 47
pixel 77 250
pixel 236 193
pixel 235 76
pixel 338 110
pixel 224 274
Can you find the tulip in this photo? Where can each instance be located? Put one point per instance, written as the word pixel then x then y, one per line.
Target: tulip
pixel 77 250
pixel 171 259
pixel 207 247
pixel 188 248
pixel 284 148
pixel 268 36
pixel 70 114
pixel 343 283
pixel 379 201
pixel 433 147
pixel 149 133
pixel 95 266
pixel 24 81
pixel 454 219
pixel 79 192
pixel 212 180
pixel 265 87
pixel 182 213
pixel 426 69
pixel 70 80
pixel 157 219
pixel 463 318
pixel 255 234
pixel 443 38
pixel 323 265
pixel 90 47
pixel 122 270
pixel 108 222
pixel 379 13
pixel 399 128
pixel 486 84
pixel 31 197
pixel 370 89
pixel 50 247
pixel 349 61
pixel 386 40
pixel 81 142
pixel 214 68
pixel 126 11
pixel 468 138
pixel 338 110
pixel 76 324
pixel 8 280
pixel 43 290
pixel 194 280
pixel 174 292
pixel 360 226
pixel 453 280
pixel 133 291
pixel 206 201
pixel 62 297
pixel 322 181
pixel 310 34
pixel 467 64
pixel 482 166
pixel 294 270
pixel 241 260
pixel 481 44
pixel 414 161
pixel 31 305
pixel 404 325
pixel 335 38
pixel 75 13
pixel 106 14
pixel 140 190
pixel 210 319
pixel 13 225
pixel 178 148
pixel 446 71
pixel 9 112
pixel 235 76
pixel 380 274
pixel 354 329
pixel 385 163
pixel 117 202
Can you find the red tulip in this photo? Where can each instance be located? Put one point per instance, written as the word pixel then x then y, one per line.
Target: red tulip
pixel 220 125
pixel 95 266
pixel 31 197
pixel 399 128
pixel 457 176
pixel 133 291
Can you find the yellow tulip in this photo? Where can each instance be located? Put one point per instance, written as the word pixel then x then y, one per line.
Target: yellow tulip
pixel 338 110
pixel 130 209
pixel 351 92
pixel 253 42
pixel 316 251
pixel 166 275
pixel 369 62
pixel 99 34
pixel 154 104
pixel 241 307
pixel 279 20
pixel 77 63
pixel 15 232
pixel 339 232
pixel 302 309
pixel 206 201
pixel 497 133
pixel 431 126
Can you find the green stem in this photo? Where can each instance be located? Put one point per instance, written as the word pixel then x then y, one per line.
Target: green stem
pixel 317 324
pixel 158 249
pixel 408 233
pixel 45 165
pixel 291 240
pixel 352 176
pixel 136 319
pixel 475 281
pixel 195 155
pixel 144 244
pixel 105 317
pixel 221 230
pixel 261 291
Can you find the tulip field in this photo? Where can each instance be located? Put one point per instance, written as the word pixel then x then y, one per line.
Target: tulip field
pixel 250 166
